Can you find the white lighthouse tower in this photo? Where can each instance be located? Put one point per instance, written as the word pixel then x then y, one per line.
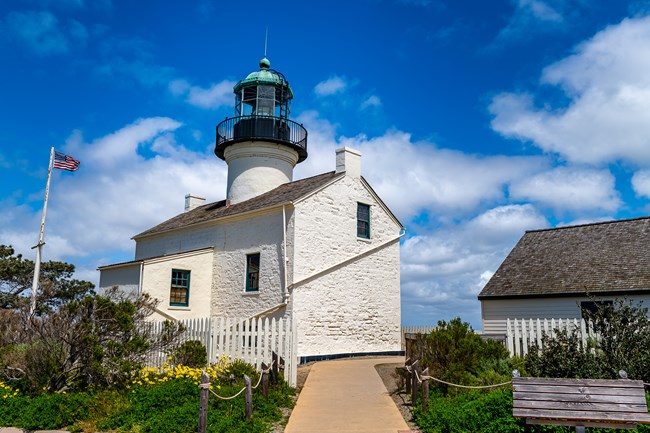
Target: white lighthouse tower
pixel 260 144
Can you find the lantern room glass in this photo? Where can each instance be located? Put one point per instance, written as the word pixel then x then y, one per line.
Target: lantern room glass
pixel 262 100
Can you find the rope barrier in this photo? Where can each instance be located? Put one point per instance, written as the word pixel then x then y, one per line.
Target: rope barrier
pixel 227 398
pixel 207 385
pixel 457 385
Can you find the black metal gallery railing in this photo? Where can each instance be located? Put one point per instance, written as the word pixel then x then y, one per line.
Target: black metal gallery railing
pixel 261 128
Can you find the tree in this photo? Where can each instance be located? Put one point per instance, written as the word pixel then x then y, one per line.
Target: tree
pixel 77 338
pixel 56 283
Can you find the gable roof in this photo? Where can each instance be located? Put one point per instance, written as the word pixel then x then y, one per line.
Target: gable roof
pixel 610 258
pixel 283 194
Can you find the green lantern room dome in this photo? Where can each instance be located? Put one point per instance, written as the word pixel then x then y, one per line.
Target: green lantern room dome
pixel 265 76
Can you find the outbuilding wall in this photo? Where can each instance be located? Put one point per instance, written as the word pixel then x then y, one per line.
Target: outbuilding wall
pixel 496 312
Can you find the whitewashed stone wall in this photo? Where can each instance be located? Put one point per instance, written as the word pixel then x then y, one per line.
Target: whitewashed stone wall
pixel 325 227
pixel 354 307
pixel 257 234
pixel 157 282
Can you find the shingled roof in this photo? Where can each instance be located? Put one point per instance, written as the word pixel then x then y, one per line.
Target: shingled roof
pixel 283 194
pixel 600 258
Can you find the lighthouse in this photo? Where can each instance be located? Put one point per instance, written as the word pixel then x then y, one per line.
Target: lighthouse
pixel 260 144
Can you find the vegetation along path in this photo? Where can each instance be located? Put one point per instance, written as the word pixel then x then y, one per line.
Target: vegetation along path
pixel 346 396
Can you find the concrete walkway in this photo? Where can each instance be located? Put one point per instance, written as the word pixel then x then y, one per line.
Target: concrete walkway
pixel 346 396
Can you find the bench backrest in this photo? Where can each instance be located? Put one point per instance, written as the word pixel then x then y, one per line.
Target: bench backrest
pixel 580 402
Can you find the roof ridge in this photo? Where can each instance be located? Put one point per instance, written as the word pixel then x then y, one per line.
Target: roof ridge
pixel 595 223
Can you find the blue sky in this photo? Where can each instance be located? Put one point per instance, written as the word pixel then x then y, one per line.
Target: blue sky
pixel 477 119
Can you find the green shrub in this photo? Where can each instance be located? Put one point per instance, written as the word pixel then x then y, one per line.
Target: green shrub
pixel 45 412
pixel 455 353
pixel 483 413
pixel 191 353
pixel 624 344
pixel 470 412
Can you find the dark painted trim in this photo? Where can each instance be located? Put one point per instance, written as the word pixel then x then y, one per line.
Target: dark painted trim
pixel 306 359
pixel 618 293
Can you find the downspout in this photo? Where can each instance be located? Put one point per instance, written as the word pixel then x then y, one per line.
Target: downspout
pixel 285 292
pixel 141 278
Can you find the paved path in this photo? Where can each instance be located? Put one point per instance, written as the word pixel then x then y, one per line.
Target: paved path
pixel 346 396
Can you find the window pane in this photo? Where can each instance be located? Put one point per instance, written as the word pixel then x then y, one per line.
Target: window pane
pixel 179 292
pixel 363 220
pixel 252 272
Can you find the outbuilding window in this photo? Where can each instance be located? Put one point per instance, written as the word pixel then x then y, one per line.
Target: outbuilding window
pixel 363 221
pixel 179 294
pixel 253 272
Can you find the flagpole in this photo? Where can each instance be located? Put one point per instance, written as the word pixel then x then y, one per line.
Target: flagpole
pixel 39 246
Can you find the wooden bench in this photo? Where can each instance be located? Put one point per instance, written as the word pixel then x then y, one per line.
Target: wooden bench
pixel 580 402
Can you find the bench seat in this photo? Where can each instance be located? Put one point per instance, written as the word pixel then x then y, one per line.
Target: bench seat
pixel 580 402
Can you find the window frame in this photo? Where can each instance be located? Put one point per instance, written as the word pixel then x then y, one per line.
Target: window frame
pixel 366 235
pixel 248 288
pixel 172 286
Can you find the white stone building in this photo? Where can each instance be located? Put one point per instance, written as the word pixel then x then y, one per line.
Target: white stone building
pixel 322 250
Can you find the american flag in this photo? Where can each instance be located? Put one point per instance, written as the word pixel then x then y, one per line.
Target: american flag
pixel 65 162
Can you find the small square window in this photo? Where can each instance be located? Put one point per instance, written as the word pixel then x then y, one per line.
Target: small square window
pixel 590 308
pixel 363 221
pixel 179 294
pixel 253 272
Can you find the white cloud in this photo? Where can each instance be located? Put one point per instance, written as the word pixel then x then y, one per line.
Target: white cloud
pixel 529 16
pixel 444 270
pixel 116 193
pixel 371 101
pixel 608 116
pixel 215 96
pixel 331 86
pixel 437 180
pixel 41 32
pixel 570 188
pixel 641 183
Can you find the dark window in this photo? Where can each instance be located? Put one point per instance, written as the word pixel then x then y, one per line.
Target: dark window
pixel 179 294
pixel 589 308
pixel 363 220
pixel 253 272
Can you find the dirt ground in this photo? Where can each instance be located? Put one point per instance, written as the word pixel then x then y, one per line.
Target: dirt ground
pixel 402 401
pixel 388 376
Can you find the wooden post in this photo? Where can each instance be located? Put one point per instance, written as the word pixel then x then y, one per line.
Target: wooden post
pixel 248 395
pixel 265 380
pixel 407 376
pixel 274 370
pixel 425 390
pixel 414 385
pixel 203 402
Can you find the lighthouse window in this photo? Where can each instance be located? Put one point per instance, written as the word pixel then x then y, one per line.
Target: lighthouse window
pixel 179 295
pixel 265 100
pixel 253 272
pixel 363 221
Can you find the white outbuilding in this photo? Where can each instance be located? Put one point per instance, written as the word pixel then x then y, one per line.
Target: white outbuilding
pixel 323 251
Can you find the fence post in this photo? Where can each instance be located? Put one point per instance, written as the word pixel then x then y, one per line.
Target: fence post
pixel 203 402
pixel 407 379
pixel 265 380
pixel 425 390
pixel 274 368
pixel 248 394
pixel 414 384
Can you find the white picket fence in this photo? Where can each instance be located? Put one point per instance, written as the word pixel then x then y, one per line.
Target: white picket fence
pixel 252 340
pixel 521 334
pixel 414 330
